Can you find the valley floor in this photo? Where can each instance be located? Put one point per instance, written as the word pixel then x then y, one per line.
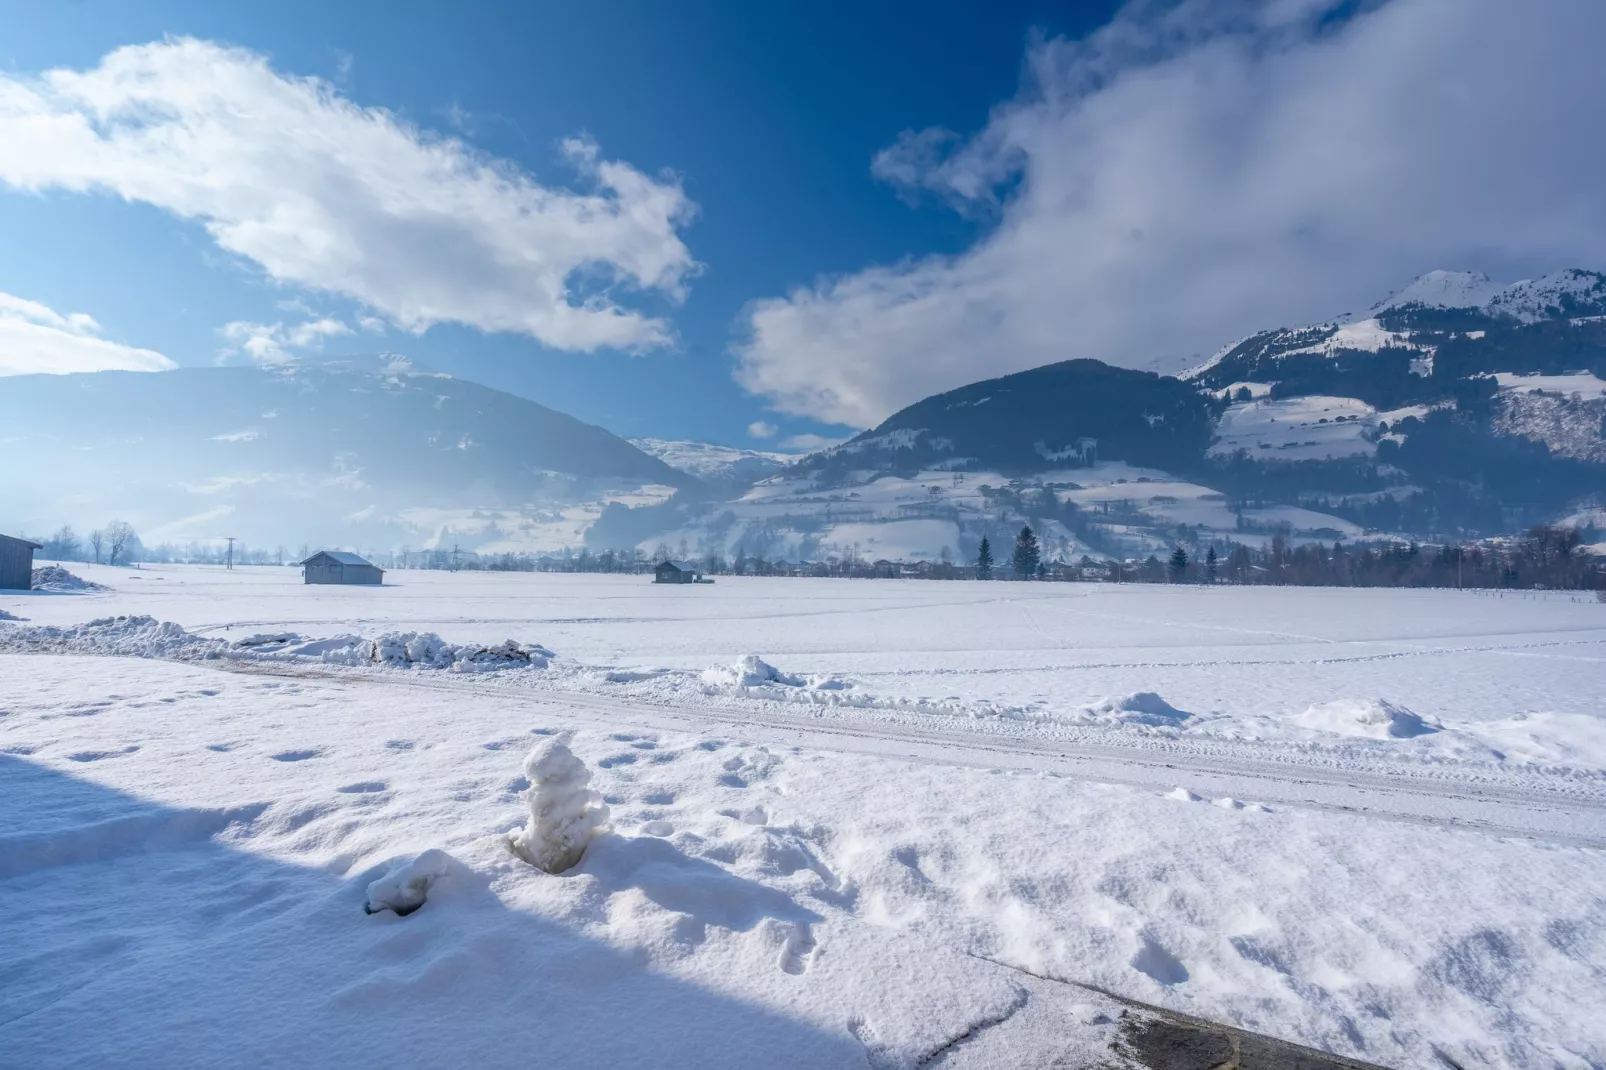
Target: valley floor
pixel 854 822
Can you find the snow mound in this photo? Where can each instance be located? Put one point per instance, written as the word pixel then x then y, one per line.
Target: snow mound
pixel 1140 707
pixel 565 814
pixel 129 636
pixel 405 889
pixel 7 616
pixel 424 650
pixel 56 578
pixel 751 671
pixel 146 637
pixel 1374 717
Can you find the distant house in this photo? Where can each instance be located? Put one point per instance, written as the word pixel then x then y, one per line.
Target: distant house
pixel 16 563
pixel 676 572
pixel 337 566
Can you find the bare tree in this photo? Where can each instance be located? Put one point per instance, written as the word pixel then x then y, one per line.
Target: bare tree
pixel 97 540
pixel 119 535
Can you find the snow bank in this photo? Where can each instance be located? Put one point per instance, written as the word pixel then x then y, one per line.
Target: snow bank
pixel 1373 717
pixel 56 578
pixel 565 814
pixel 146 637
pixel 404 890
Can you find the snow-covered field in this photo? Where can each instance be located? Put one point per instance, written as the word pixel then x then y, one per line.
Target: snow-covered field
pixel 852 822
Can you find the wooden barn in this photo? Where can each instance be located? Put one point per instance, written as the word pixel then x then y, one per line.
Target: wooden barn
pixel 16 563
pixel 676 572
pixel 337 566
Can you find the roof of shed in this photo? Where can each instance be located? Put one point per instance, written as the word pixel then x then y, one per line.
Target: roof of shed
pixel 342 556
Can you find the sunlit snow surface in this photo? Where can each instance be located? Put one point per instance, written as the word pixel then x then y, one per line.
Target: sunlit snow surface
pixel 1371 821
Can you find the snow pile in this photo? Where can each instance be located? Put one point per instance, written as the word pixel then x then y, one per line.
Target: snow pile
pixel 1140 707
pixel 138 637
pixel 146 637
pixel 1374 717
pixel 752 672
pixel 7 616
pixel 423 650
pixel 565 814
pixel 749 670
pixel 405 889
pixel 56 578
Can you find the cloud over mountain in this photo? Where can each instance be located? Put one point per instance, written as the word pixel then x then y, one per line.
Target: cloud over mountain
pixel 1196 170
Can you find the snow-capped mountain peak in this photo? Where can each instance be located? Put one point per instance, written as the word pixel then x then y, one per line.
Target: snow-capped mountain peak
pixel 1443 289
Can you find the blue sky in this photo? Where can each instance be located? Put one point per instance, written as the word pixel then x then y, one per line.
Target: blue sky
pixel 769 114
pixel 683 220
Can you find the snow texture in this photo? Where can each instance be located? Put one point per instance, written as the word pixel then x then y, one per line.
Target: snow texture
pixel 565 814
pixel 853 878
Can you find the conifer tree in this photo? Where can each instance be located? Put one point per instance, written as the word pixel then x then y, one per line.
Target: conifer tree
pixel 1027 554
pixel 1179 564
pixel 984 560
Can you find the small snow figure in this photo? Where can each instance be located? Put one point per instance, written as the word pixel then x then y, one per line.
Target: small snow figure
pixel 565 815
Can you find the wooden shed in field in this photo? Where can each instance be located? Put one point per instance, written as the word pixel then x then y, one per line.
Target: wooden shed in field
pixel 16 563
pixel 338 566
pixel 676 572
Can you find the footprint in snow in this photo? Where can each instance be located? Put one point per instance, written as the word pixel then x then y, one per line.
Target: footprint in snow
pixel 296 755
pixel 797 954
pixel 363 787
pixel 399 744
pixel 618 759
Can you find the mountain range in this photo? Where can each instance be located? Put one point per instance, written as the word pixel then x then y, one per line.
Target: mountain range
pixel 1455 406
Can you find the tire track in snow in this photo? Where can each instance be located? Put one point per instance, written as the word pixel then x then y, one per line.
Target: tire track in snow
pixel 1563 812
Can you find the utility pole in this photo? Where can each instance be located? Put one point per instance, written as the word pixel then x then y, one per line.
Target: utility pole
pixel 1458 550
pixel 229 562
pixel 454 556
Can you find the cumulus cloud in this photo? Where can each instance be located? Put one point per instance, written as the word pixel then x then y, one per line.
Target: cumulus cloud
pixel 36 339
pixel 1196 171
pixel 760 429
pixel 275 343
pixel 323 193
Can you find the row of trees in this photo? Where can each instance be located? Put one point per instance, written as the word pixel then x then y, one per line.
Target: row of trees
pixel 115 543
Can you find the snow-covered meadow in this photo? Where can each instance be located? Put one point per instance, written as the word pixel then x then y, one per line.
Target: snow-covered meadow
pixel 852 822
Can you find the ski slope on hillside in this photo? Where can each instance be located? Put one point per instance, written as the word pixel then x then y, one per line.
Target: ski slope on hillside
pixel 853 821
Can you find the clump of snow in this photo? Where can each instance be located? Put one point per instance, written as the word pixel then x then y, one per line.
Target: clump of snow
pixel 146 637
pixel 565 814
pixel 56 578
pixel 1140 707
pixel 751 671
pixel 1182 794
pixel 1374 717
pixel 404 890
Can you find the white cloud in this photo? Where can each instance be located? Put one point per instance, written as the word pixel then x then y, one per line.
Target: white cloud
pixel 325 194
pixel 35 339
pixel 1200 170
pixel 809 443
pixel 274 343
pixel 760 429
